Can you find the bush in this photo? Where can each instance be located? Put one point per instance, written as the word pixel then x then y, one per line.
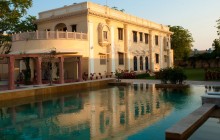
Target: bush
pixel 142 76
pixel 173 75
pixel 128 75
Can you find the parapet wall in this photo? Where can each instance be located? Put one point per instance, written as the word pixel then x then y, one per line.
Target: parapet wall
pixel 50 90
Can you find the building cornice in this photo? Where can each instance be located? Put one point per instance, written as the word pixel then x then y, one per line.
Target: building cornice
pixel 78 13
pixel 91 12
pixel 106 16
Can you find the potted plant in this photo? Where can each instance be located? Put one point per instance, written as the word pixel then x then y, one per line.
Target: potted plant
pixel 91 76
pixel 100 75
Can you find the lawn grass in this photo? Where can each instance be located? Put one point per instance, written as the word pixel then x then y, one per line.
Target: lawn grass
pixel 197 74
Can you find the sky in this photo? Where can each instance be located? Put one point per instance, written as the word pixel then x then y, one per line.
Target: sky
pixel 198 16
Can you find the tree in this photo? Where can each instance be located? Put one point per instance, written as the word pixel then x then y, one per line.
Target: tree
pixel 25 25
pixel 218 26
pixel 181 42
pixel 11 11
pixel 49 67
pixel 216 47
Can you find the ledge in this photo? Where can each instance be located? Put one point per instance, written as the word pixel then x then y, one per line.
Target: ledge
pixel 52 90
pixel 184 128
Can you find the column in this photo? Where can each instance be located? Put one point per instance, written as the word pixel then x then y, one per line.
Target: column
pixel 138 63
pixel 91 49
pixel 161 52
pixel 151 54
pixel 144 63
pixel 61 71
pixel 39 71
pixel 170 53
pixel 126 46
pixel 80 69
pixel 113 59
pixel 11 84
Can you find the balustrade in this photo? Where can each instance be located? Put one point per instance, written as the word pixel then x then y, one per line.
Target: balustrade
pixel 47 35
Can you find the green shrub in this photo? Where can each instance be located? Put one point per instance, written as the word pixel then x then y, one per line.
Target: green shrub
pixel 173 75
pixel 142 76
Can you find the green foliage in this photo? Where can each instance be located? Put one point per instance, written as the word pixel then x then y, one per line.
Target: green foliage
pixel 11 11
pixel 181 42
pixel 118 74
pixel 218 26
pixel 216 46
pixel 142 76
pixel 116 8
pixel 195 74
pixel 173 75
pixel 25 25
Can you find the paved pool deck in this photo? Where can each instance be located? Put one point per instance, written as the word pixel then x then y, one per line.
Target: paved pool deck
pixel 206 83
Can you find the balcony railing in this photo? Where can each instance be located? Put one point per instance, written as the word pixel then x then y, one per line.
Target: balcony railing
pixel 46 35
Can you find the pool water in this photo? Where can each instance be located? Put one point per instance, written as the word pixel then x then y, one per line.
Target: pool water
pixel 137 112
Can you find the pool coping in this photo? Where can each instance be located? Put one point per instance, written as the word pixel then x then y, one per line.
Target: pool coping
pixel 185 127
pixel 54 89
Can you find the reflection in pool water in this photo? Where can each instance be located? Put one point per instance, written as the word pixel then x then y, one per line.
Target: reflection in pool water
pixel 139 111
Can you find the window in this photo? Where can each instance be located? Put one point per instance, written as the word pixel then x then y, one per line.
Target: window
pixel 141 63
pixel 105 35
pixel 146 38
pixel 165 58
pixel 74 28
pixel 120 34
pixel 134 36
pixel 121 58
pixel 157 58
pixel 141 37
pixel 156 40
pixel 102 60
pixel 64 29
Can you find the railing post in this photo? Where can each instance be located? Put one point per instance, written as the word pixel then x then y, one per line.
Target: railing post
pixel 46 34
pixel 74 35
pixel 57 34
pixel 36 34
pixel 81 36
pixel 66 34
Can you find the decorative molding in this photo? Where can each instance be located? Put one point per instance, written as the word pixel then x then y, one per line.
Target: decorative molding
pixel 126 21
pixel 78 13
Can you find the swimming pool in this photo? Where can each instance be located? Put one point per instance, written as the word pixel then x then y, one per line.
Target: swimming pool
pixel 137 112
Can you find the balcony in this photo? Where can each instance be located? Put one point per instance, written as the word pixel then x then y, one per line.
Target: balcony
pixel 42 41
pixel 47 35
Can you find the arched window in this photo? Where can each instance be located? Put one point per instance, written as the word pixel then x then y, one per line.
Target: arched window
pixel 141 63
pixel 61 27
pixel 135 63
pixel 146 63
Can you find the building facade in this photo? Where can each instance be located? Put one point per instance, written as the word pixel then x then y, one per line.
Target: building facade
pixel 103 38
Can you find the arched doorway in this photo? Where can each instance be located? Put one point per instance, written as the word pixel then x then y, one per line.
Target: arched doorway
pixel 61 27
pixel 135 63
pixel 141 63
pixel 146 63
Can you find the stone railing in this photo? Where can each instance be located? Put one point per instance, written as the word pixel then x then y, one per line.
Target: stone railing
pixel 47 35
